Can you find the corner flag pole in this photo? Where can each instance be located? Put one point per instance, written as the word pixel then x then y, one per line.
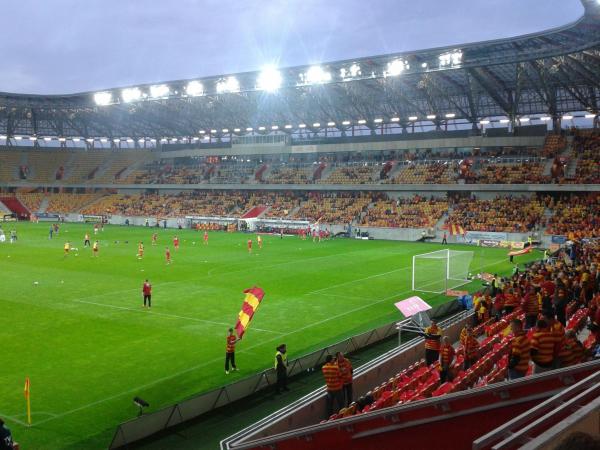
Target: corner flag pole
pixel 27 397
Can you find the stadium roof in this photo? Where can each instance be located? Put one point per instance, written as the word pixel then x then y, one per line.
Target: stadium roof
pixel 549 74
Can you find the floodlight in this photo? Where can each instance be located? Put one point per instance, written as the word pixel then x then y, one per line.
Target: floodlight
pixel 504 121
pixel 153 141
pixel 412 118
pixel 424 65
pixel 395 119
pixel 316 75
pixel 174 140
pixel 159 91
pixel 331 124
pixel 450 116
pixel 249 129
pixel 90 140
pixel 302 125
pixel 229 84
pixel 129 140
pixel 131 94
pixel 18 138
pixel 141 140
pixel 236 130
pixel 484 122
pixel 32 138
pixel 590 116
pixel 288 127
pixel 194 88
pixel 378 120
pixel 3 137
pixel 103 98
pixel 76 139
pixel 47 139
pixel 225 130
pixel 362 121
pixel 346 122
pixel 163 140
pixel 395 67
pixel 451 59
pixel 261 128
pixel 431 117
pixel 213 131
pixel 62 139
pixel 545 118
pixel 274 128
pixel 316 125
pixel 116 140
pixel 270 79
pixel 524 119
pixel 567 117
pixel 202 131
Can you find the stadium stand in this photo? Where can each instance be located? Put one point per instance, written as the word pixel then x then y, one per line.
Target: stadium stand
pixel 417 212
pixel 575 216
pixel 436 173
pixel 333 207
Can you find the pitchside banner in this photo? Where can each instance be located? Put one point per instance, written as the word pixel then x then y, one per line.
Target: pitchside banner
pixel 559 240
pixel 474 236
pixel 412 306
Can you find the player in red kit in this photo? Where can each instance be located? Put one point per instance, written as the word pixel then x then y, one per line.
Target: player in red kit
pixel 154 238
pixel 176 243
pixel 168 255
pixel 205 237
pixel 147 293
pixel 249 245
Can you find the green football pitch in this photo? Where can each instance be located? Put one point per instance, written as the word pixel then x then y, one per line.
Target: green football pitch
pixel 76 327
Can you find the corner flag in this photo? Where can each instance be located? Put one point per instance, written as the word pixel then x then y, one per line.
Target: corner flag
pixel 27 392
pixel 251 303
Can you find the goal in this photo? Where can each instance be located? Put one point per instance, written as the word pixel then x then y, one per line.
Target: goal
pixel 441 270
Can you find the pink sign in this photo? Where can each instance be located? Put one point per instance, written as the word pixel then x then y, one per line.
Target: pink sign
pixel 412 306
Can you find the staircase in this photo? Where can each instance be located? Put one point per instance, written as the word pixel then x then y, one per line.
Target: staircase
pixel 255 212
pixel 43 205
pixel 571 169
pixel 3 209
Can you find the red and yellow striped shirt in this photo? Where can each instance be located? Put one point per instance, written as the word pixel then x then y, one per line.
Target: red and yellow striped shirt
pixel 471 347
pixel 345 370
pixel 230 346
pixel 521 349
pixel 333 378
pixel 433 342
pixel 545 342
pixel 446 355
pixel 571 352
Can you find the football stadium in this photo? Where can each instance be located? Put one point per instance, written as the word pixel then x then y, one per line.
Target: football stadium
pixel 390 251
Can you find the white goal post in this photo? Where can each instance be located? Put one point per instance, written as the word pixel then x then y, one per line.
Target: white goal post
pixel 441 270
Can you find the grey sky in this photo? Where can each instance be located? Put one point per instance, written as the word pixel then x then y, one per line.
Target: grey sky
pixel 65 46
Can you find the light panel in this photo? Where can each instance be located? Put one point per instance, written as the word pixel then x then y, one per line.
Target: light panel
pixel 194 88
pixel 131 94
pixel 159 91
pixel 269 80
pixel 103 98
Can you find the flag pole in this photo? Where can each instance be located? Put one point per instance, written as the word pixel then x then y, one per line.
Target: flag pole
pixel 28 399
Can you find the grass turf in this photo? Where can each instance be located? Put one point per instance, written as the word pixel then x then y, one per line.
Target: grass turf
pixel 89 347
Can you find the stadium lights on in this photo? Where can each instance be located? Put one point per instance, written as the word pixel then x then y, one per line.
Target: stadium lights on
pixel 412 118
pixel 202 131
pixel 504 121
pixel 159 91
pixel 236 130
pixel 32 138
pixel 90 140
pixel 269 79
pixel 567 117
pixel 288 127
pixel 76 139
pixel 213 131
pixel 362 121
pixel 524 119
pixel 18 138
pixel 153 141
pixel 484 122
pixel 450 116
pixel 331 124
pixel 590 116
pixel 395 68
pixel 225 130
pixel 378 120
pixel 62 139
pixel 316 125
pixel 103 98
pixel 346 122
pixel 116 140
pixel 316 75
pixel 47 139
pixel 395 119
pixel 131 94
pixel 129 140
pixel 545 118
pixel 229 84
pixel 424 65
pixel 274 128
pixel 351 72
pixel 174 140
pixel 302 125
pixel 249 129
pixel 194 88
pixel 261 128
pixel 3 138
pixel 141 140
pixel 431 117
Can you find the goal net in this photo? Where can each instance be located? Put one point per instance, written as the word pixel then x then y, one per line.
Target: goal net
pixel 440 270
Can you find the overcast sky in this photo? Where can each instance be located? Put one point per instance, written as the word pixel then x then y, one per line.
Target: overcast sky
pixel 66 46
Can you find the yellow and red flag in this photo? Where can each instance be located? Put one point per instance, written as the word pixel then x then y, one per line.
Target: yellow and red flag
pixel 27 387
pixel 251 303
pixel 456 230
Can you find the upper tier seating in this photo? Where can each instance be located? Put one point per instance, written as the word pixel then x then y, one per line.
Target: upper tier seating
pixel 416 212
